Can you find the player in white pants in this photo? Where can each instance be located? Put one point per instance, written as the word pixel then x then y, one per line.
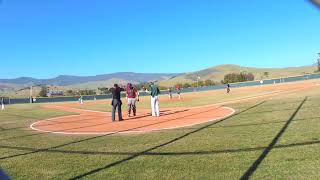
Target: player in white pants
pixel 155 106
pixel 2 104
pixel 154 92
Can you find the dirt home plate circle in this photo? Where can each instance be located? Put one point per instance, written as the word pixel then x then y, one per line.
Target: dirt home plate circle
pixel 95 122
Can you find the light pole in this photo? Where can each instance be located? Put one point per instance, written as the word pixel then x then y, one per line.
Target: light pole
pixel 30 94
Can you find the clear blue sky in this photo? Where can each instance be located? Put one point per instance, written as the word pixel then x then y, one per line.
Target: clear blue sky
pixel 46 38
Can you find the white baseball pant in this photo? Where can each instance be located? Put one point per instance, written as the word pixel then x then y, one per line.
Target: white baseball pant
pixel 155 106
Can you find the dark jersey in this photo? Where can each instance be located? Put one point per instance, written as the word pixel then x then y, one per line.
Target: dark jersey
pixel 154 91
pixel 116 92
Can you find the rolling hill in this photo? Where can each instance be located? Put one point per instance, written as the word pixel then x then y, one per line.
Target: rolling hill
pixel 96 84
pixel 66 80
pixel 217 73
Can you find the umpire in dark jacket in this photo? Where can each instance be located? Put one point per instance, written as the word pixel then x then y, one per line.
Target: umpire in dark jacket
pixel 116 101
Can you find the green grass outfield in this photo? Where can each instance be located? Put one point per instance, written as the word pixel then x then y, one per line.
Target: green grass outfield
pixel 277 138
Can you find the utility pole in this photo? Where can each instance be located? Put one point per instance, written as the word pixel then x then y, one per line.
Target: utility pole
pixel 31 94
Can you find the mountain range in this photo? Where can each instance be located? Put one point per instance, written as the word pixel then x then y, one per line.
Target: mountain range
pixel 66 80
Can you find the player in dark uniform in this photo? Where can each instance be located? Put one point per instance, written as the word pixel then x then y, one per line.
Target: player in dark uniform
pixel 228 88
pixel 116 101
pixel 178 88
pixel 170 93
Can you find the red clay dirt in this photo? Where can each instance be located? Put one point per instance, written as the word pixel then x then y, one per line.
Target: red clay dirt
pixel 91 122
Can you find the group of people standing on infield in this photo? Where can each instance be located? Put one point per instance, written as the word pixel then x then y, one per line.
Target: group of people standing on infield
pixel 132 96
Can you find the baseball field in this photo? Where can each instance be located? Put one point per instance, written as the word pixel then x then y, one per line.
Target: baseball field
pixel 267 131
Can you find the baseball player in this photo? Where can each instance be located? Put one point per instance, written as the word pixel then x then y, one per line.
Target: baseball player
pixel 178 88
pixel 170 93
pixel 154 92
pixel 81 99
pixel 2 104
pixel 132 96
pixel 228 88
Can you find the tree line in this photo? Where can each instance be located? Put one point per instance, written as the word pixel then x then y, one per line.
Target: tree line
pixel 237 77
